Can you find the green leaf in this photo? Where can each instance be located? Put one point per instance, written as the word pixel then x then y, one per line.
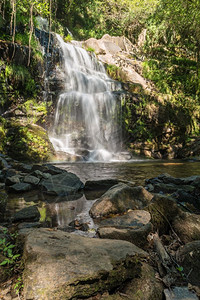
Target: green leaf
pixel 6 261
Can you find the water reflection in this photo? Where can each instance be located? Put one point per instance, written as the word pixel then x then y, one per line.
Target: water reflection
pixel 136 171
pixel 60 211
pixel 63 213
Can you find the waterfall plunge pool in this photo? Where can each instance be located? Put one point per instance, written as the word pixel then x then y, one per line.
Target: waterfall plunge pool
pixel 60 211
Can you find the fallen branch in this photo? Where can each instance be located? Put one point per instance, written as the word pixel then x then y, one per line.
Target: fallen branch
pixel 166 266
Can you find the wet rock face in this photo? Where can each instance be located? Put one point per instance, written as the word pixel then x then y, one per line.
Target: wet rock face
pixel 116 51
pixel 119 199
pixel 7 49
pixel 63 266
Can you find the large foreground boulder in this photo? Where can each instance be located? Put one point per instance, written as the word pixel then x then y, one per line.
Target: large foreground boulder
pixel 119 199
pixel 59 265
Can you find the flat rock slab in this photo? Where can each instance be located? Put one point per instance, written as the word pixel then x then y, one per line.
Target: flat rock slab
pixel 59 265
pixel 31 179
pixel 62 184
pixel 119 199
pixel 180 293
pixel 133 227
pixel 134 219
pixel 20 187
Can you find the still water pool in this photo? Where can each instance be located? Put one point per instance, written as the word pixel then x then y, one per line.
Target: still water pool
pixel 60 211
pixel 133 170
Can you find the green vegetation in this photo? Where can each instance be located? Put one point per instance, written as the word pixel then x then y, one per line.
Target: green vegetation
pixel 170 54
pixel 7 249
pixel 114 72
pixel 20 78
pixel 90 49
pixel 68 38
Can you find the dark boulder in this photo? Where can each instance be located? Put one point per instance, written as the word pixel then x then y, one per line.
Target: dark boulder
pixel 26 214
pixel 62 184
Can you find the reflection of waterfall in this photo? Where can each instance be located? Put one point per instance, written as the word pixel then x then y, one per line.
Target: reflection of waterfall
pixel 62 213
pixel 87 114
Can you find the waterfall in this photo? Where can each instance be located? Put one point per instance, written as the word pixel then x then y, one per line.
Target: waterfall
pixel 87 116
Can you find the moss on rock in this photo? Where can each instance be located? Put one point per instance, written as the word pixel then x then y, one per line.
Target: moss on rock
pixel 27 143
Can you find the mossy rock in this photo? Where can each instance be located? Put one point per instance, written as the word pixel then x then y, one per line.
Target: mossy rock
pixel 163 210
pixel 144 286
pixel 27 143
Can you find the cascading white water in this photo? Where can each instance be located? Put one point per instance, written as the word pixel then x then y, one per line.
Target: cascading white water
pixel 87 114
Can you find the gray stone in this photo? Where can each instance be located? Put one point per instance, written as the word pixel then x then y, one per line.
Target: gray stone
pixel 20 187
pixel 24 167
pixel 9 172
pixel 171 188
pixel 31 179
pixel 119 199
pixel 51 169
pixel 2 186
pixel 3 163
pixel 133 219
pixel 136 236
pixel 179 293
pixel 30 213
pixel 188 256
pixel 41 168
pixel 41 175
pixel 59 265
pixel 62 184
pixel 12 180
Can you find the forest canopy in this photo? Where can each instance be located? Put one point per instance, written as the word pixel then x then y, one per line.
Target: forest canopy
pixel 172 26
